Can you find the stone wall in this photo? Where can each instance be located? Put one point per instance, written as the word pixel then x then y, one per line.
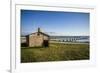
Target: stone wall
pixel 36 40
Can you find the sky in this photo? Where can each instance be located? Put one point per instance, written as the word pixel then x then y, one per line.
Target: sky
pixel 55 23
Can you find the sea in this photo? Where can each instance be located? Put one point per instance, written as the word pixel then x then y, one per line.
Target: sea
pixel 81 39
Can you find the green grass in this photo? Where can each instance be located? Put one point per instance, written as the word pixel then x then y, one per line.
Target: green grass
pixel 55 52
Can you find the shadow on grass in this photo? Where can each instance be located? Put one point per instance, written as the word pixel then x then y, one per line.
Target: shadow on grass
pixel 34 47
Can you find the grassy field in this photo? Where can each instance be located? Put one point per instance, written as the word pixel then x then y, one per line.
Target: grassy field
pixel 55 52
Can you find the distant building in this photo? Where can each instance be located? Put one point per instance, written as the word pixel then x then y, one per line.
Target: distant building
pixel 37 39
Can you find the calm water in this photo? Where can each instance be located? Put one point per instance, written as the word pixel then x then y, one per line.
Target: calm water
pixel 70 38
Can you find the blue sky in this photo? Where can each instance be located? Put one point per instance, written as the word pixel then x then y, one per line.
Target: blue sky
pixel 55 23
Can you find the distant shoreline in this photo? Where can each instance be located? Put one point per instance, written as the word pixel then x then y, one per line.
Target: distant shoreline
pixel 71 42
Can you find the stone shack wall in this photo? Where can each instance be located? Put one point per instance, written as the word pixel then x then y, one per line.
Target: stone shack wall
pixel 36 40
